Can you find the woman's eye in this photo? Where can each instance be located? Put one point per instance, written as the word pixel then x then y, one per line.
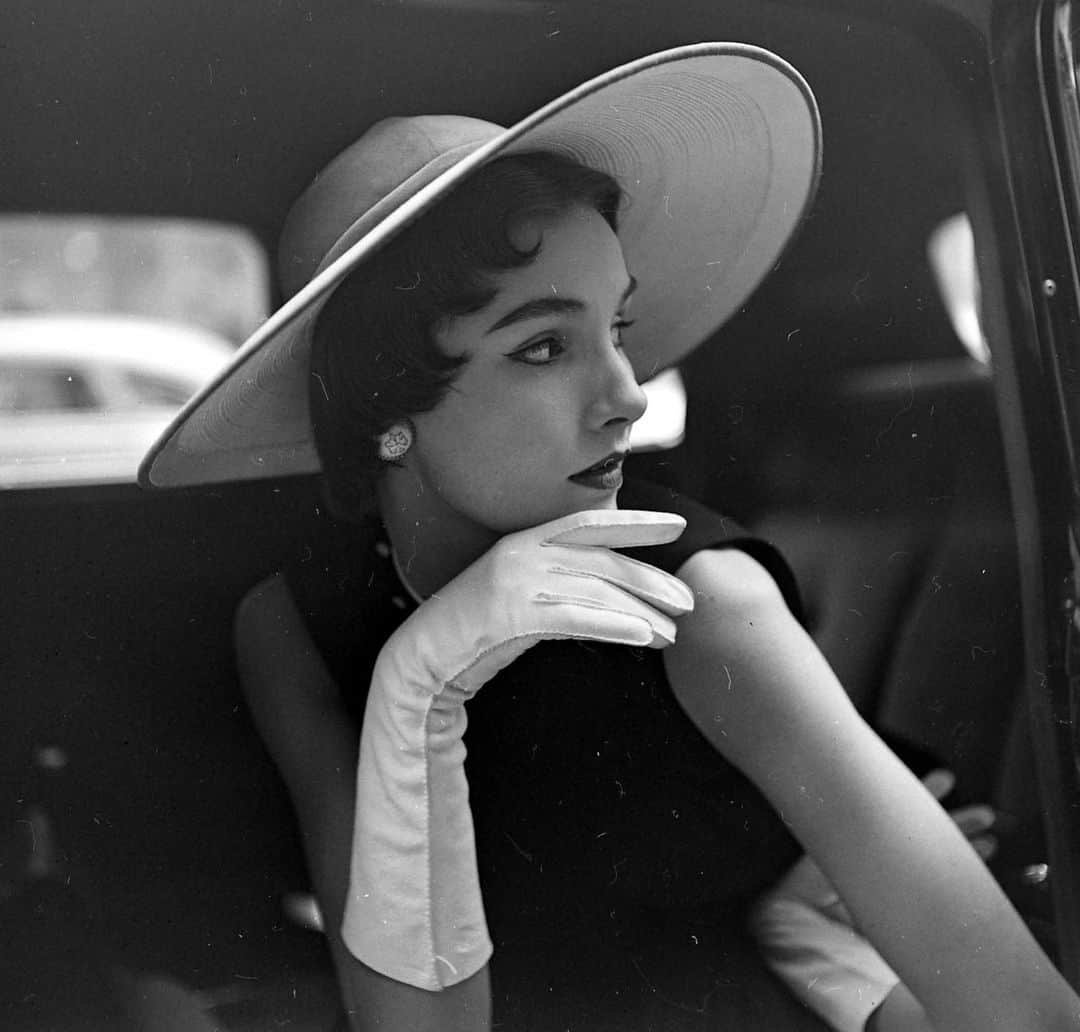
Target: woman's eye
pixel 617 328
pixel 539 352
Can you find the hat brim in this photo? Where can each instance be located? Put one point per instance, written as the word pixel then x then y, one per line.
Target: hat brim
pixel 718 149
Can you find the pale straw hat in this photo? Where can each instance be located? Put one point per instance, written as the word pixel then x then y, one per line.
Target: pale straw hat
pixel 717 146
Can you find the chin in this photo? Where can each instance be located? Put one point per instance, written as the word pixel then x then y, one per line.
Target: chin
pixel 593 500
pixel 566 505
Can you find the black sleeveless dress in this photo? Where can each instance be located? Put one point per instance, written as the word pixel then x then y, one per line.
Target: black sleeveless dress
pixel 618 850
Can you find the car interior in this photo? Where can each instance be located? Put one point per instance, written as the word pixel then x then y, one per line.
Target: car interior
pixel 839 414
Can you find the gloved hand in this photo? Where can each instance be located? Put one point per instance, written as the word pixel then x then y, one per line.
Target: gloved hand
pixel 414 910
pixel 825 963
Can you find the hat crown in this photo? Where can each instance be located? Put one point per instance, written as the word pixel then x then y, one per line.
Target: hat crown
pixel 364 174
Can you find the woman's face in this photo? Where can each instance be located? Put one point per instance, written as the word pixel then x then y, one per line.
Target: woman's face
pixel 539 416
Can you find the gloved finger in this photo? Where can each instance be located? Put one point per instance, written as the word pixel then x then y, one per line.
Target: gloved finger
pixel 605 613
pixel 939 783
pixel 652 585
pixel 837 911
pixel 806 881
pixel 985 845
pixel 972 820
pixel 595 591
pixel 614 528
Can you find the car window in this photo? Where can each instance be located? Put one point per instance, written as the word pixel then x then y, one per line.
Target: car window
pixel 125 316
pixel 150 389
pixel 33 388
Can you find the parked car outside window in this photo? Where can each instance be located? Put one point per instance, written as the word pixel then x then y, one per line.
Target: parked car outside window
pixel 108 324
pixel 82 396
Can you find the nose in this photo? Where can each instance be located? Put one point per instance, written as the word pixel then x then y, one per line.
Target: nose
pixel 617 396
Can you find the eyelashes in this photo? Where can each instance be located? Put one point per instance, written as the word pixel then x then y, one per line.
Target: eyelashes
pixel 618 326
pixel 547 349
pixel 539 352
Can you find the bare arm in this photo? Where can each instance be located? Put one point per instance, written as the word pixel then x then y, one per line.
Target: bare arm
pixel 298 710
pixel 757 687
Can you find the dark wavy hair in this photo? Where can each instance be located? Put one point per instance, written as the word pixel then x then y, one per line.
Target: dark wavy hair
pixel 374 358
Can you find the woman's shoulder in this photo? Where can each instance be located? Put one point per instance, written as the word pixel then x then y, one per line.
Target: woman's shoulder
pixel 708 531
pixel 267 623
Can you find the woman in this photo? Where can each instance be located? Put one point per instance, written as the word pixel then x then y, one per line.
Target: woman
pixel 471 306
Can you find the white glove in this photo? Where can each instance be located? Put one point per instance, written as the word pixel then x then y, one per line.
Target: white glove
pixel 825 962
pixel 414 910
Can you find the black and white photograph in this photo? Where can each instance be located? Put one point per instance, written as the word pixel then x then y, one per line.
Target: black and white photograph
pixel 540 516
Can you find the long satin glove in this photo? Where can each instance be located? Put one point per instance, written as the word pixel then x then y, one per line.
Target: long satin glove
pixel 826 963
pixel 414 910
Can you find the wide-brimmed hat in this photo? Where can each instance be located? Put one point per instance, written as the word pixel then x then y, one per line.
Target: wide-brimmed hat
pixel 716 145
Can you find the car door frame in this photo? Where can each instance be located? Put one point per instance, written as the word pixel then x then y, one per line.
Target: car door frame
pixel 1026 202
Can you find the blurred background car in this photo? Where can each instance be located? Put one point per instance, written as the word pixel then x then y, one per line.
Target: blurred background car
pixel 83 395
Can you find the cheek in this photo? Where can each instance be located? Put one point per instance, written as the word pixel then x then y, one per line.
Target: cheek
pixel 492 437
pixel 497 448
pixel 506 417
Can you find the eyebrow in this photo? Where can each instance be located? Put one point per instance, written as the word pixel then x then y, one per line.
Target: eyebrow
pixel 541 306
